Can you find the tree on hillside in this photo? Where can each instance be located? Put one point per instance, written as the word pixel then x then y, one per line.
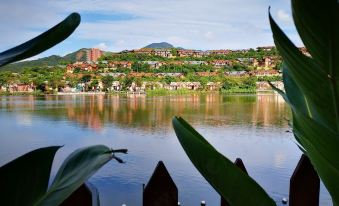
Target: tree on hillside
pixel 107 82
pixel 86 79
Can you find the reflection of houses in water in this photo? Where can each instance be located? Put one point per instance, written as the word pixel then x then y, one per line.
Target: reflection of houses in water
pixel 270 109
pixel 155 113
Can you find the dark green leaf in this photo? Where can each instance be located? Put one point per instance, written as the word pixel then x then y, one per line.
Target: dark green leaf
pixel 25 179
pixel 42 42
pixel 311 85
pixel 227 179
pixel 74 171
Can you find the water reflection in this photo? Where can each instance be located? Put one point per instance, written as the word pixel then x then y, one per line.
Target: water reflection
pixel 154 113
pixel 248 126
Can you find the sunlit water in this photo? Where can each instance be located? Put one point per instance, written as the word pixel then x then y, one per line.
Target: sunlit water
pixel 253 127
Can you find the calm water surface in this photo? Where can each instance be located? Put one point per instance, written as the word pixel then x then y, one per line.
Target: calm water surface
pixel 253 127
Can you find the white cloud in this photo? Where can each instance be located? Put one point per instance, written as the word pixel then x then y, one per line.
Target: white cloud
pixel 284 16
pixel 103 46
pixel 200 24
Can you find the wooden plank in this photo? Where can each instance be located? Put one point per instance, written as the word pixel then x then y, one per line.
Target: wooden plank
pixel 304 184
pixel 85 195
pixel 239 163
pixel 161 189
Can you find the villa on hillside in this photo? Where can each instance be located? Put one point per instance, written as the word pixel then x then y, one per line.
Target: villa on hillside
pixel 185 53
pixel 154 64
pixel 83 66
pixel 175 74
pixel 207 74
pixel 265 48
pixel 219 52
pixel 236 73
pixel 195 62
pixel 148 51
pixel 221 63
pixel 113 74
pixel 265 73
pixel 163 53
pixel 120 64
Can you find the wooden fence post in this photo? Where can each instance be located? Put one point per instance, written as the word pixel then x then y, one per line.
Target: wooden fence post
pixel 85 195
pixel 304 184
pixel 238 162
pixel 161 189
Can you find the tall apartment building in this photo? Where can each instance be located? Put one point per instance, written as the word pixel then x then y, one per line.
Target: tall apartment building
pixel 94 54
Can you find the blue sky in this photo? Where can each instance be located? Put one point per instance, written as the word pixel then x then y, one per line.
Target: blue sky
pixel 115 25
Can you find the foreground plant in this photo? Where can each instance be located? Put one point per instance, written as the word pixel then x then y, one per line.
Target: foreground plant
pixel 44 41
pixel 312 91
pixel 24 181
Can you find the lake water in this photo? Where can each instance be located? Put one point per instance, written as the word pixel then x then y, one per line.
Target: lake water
pixel 253 127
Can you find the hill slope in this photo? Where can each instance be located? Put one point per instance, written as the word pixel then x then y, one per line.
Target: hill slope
pixel 161 45
pixel 53 60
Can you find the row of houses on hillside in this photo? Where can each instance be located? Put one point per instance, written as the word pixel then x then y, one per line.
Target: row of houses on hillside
pixel 257 73
pixel 169 53
pixel 265 63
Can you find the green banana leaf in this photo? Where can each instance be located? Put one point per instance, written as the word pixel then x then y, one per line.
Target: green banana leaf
pixel 25 180
pixel 311 85
pixel 75 170
pixel 227 179
pixel 42 42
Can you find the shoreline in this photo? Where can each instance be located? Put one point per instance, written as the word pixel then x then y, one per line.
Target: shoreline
pixel 147 93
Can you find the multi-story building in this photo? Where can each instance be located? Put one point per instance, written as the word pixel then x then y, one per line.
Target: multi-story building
pixel 94 54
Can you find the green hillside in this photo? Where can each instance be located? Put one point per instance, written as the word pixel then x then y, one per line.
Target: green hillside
pixel 53 60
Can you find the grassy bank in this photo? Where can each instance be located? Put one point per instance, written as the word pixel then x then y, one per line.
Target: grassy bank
pixel 36 93
pixel 173 92
pixel 239 91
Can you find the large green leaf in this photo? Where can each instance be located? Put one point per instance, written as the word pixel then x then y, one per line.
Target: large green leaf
pixel 227 179
pixel 74 171
pixel 25 179
pixel 311 85
pixel 42 42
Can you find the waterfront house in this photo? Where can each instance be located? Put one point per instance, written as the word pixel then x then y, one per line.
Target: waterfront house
pixel 19 87
pixel 184 85
pixel 213 86
pixel 116 86
pixel 265 86
pixel 193 85
pixel 150 85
